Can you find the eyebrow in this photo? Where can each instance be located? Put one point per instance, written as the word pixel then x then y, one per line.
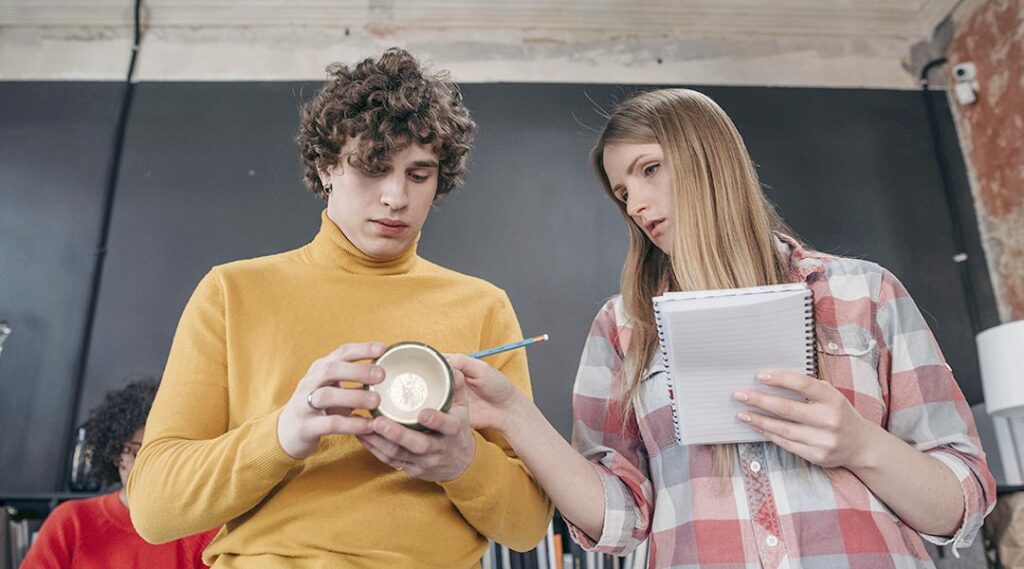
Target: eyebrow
pixel 633 164
pixel 425 164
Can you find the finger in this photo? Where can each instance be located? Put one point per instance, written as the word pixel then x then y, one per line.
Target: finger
pixel 320 425
pixel 797 411
pixel 444 423
pixel 414 441
pixel 394 453
pixel 340 370
pixel 381 455
pixel 361 351
pixel 470 367
pixel 810 388
pixel 336 399
pixel 803 451
pixel 785 429
pixel 459 395
pixel 460 378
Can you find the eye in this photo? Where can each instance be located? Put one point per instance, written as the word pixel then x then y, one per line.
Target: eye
pixel 418 178
pixel 651 170
pixel 624 196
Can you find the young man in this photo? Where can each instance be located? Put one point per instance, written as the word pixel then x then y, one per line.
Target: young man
pixel 251 429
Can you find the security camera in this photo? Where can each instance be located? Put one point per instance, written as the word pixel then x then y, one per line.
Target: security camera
pixel 965 72
pixel 966 87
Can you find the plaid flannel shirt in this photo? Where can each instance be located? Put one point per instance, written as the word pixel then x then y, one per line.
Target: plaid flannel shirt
pixel 775 511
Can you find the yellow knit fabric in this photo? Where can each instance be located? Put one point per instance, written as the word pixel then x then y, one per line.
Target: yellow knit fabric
pixel 249 333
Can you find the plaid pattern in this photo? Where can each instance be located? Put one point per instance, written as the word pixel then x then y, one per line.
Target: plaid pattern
pixel 774 510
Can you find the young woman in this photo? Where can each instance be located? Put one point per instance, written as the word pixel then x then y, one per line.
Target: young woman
pixel 98 532
pixel 882 453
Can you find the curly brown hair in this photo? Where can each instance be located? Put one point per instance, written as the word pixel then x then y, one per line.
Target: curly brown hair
pixel 112 423
pixel 389 103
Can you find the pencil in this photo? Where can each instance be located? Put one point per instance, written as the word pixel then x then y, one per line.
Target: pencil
pixel 512 346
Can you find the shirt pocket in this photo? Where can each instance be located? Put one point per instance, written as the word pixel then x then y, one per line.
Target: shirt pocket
pixel 654 408
pixel 848 359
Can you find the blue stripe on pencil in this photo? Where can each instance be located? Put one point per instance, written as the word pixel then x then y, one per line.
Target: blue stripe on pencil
pixel 507 347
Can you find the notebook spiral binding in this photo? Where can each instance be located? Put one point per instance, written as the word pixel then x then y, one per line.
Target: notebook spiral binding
pixel 811 364
pixel 664 360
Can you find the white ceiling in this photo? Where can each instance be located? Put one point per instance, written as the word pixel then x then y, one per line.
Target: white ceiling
pixel 769 42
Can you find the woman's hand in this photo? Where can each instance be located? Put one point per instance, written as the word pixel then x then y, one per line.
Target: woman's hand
pixel 824 430
pixel 492 396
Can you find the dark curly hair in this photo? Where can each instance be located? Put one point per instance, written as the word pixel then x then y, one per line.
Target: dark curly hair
pixel 389 103
pixel 112 423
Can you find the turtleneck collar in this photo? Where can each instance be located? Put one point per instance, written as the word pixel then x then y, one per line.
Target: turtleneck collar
pixel 330 248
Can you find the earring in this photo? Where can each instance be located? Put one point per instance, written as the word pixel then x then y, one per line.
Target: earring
pixel 327 188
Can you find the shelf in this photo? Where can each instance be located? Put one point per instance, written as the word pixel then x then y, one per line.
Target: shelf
pixel 44 496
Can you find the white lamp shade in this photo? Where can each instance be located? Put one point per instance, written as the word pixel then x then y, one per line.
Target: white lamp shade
pixel 1001 355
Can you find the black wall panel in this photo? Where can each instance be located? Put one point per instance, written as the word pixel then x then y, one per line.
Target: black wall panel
pixel 211 174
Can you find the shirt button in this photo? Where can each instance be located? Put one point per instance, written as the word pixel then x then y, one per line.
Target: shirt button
pixel 833 346
pixel 772 541
pixel 755 466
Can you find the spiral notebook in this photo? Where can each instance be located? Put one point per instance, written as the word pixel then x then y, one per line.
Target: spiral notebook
pixel 714 342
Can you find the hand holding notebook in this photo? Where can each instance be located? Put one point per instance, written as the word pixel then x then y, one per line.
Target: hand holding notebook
pixel 713 343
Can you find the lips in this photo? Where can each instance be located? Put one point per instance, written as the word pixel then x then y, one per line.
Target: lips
pixel 389 227
pixel 653 225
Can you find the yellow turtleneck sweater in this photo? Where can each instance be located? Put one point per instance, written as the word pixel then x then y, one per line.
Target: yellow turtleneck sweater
pixel 250 331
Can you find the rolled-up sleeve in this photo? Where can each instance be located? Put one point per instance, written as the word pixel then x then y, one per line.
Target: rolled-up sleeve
pixel 609 437
pixel 927 408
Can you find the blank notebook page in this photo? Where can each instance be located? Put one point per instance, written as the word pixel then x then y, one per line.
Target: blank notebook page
pixel 714 342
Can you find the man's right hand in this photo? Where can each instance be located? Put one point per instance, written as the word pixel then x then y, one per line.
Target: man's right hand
pixel 319 406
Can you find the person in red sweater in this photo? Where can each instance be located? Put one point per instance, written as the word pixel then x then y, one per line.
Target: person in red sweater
pixel 98 532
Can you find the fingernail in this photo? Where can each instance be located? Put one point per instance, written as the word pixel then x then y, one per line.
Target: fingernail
pixel 744 417
pixel 740 396
pixel 378 373
pixel 764 377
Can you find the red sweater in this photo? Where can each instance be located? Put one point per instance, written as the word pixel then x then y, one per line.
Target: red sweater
pixel 97 533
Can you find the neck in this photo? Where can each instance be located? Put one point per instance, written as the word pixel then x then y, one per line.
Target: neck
pixel 331 248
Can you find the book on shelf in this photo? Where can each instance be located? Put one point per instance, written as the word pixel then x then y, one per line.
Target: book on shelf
pixel 16 535
pixel 557 550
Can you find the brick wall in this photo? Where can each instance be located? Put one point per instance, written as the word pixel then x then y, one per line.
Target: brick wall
pixel 992 137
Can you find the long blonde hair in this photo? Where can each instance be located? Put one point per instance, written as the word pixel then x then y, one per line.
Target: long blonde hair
pixel 723 222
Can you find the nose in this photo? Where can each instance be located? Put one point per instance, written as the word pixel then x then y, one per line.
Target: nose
pixel 636 203
pixel 395 192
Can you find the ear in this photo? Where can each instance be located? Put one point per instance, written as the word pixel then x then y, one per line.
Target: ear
pixel 324 171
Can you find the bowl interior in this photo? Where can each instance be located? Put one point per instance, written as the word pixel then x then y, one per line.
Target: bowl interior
pixel 416 378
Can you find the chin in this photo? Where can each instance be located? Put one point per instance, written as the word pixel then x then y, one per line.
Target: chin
pixel 388 251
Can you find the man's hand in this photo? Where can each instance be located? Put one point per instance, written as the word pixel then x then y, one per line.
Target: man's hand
pixel 320 406
pixel 440 454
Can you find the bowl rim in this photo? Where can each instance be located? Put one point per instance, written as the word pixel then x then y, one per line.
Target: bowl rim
pixel 448 374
